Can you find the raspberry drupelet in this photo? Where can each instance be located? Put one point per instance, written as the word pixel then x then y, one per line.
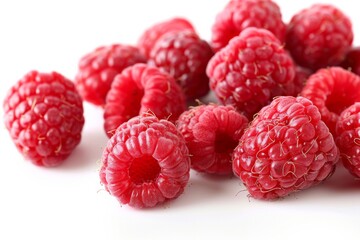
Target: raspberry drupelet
pixel 241 14
pixel 211 133
pixel 98 69
pixel 145 162
pixel 44 115
pixel 138 89
pixel 286 148
pixel 248 72
pixel 184 56
pixel 319 36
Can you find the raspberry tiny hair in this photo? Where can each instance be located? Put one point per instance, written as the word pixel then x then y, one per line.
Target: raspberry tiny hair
pixel 348 138
pixel 138 89
pixel 145 162
pixel 151 35
pixel 98 68
pixel 319 36
pixel 241 14
pixel 286 148
pixel 211 133
pixel 332 90
pixel 44 116
pixel 249 69
pixel 185 56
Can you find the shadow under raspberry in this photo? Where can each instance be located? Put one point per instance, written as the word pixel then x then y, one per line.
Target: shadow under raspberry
pixel 88 153
pixel 342 181
pixel 202 189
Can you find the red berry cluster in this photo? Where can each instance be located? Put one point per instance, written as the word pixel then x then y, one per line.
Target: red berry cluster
pixel 288 110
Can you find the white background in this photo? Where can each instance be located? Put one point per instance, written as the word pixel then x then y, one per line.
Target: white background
pixel 68 202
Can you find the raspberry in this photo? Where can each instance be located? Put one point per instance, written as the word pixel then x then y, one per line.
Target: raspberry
pixel 247 71
pixel 44 115
pixel 332 90
pixel 185 56
pixel 319 36
pixel 139 89
pixel 149 38
pixel 211 133
pixel 241 14
pixel 286 148
pixel 348 135
pixel 145 162
pixel 98 69
pixel 352 60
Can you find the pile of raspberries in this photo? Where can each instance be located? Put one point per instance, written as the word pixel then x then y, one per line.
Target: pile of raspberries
pixel 288 104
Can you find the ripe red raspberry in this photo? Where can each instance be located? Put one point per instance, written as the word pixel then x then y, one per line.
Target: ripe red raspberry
pixel 332 90
pixel 241 14
pixel 348 136
pixel 139 89
pixel 44 115
pixel 352 60
pixel 319 36
pixel 98 69
pixel 247 71
pixel 149 38
pixel 145 162
pixel 185 56
pixel 211 133
pixel 286 148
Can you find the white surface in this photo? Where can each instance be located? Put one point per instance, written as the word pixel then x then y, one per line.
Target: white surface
pixel 68 202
